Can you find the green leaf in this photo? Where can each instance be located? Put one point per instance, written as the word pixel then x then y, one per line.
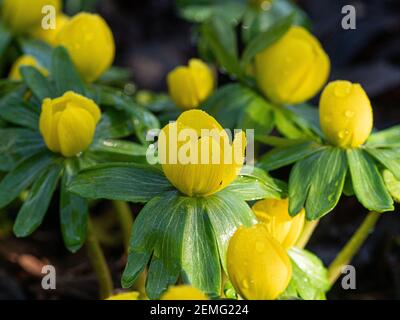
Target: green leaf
pixel 392 184
pixel 182 235
pixel 204 10
pixel 220 37
pixel 64 73
pixel 258 116
pixel 37 82
pixel 23 175
pixel 310 277
pixel 14 109
pixel 282 157
pixel 5 39
pixel 18 144
pixel 74 211
pixel 200 260
pixel 293 126
pixel 316 183
pixel 33 210
pixel 167 236
pixel 266 39
pixel 227 212
pixel 368 184
pixel 38 49
pixel 228 103
pixel 307 116
pixel 115 124
pixel 120 181
pixel 251 189
pixel 143 120
pixel 109 150
pixel 385 139
pixel 389 158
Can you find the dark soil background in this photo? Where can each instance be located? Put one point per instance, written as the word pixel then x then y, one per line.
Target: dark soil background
pixel 151 40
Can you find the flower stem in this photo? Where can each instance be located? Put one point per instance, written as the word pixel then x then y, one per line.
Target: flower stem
pixel 308 231
pixel 99 263
pixel 125 220
pixel 351 248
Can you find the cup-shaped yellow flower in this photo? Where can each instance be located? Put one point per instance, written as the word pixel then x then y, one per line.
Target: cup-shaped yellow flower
pixel 21 15
pixel 183 292
pixel 293 69
pixel 197 154
pixel 68 123
pixel 25 61
pixel 90 43
pixel 190 85
pixel 49 35
pixel 274 214
pixel 258 266
pixel 346 115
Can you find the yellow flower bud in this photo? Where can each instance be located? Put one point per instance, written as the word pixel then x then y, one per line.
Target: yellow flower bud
pixel 345 114
pixel 258 266
pixel 90 43
pixel 23 61
pixel 49 36
pixel 190 86
pixel 21 15
pixel 274 214
pixel 293 69
pixel 183 292
pixel 125 296
pixel 197 156
pixel 68 123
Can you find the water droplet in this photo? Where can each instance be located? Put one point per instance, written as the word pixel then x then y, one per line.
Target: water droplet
pixel 245 284
pixel 327 119
pixel 343 134
pixel 343 89
pixel 260 246
pixel 349 113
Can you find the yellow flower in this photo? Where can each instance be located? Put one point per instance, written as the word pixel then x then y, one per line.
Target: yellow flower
pixel 197 156
pixel 20 15
pixel 68 123
pixel 274 214
pixel 90 43
pixel 293 69
pixel 49 36
pixel 125 296
pixel 23 61
pixel 345 114
pixel 183 293
pixel 258 266
pixel 190 86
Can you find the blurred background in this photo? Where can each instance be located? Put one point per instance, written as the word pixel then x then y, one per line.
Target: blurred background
pixel 151 40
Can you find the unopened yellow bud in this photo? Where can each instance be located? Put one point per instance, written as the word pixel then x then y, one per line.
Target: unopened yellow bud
pixel 190 86
pixel 293 69
pixel 274 214
pixel 68 123
pixel 49 35
pixel 183 293
pixel 90 43
pixel 346 115
pixel 197 155
pixel 258 266
pixel 21 15
pixel 25 61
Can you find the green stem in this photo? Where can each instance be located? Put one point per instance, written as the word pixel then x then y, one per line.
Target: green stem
pixel 351 248
pixel 125 220
pixel 99 263
pixel 307 233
